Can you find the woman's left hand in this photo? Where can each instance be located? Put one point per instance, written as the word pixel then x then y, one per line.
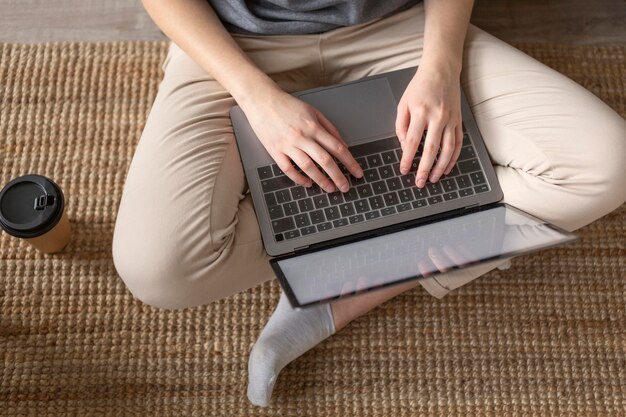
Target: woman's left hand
pixel 431 102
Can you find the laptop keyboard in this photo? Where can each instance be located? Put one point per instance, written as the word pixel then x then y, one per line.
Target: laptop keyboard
pixel 297 211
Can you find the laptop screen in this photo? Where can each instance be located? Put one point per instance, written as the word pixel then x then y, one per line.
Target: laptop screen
pixel 419 251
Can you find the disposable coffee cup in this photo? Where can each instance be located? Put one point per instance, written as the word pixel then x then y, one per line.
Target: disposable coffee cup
pixel 32 207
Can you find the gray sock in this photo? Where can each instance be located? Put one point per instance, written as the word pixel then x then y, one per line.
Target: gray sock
pixel 287 335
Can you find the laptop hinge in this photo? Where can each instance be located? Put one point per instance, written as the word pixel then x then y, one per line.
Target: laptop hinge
pixel 298 249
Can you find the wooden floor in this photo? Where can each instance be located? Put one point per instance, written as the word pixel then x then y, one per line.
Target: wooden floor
pixel 565 21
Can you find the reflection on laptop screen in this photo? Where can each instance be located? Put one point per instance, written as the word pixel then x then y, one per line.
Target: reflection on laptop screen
pixel 415 252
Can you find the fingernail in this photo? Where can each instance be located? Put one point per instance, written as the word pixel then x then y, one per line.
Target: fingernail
pixel 330 189
pixel 434 178
pixel 344 188
pixel 359 173
pixel 421 183
pixel 403 170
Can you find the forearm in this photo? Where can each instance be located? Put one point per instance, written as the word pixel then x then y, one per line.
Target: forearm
pixel 446 23
pixel 194 26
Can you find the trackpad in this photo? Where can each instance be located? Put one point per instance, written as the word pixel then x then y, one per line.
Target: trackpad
pixel 360 110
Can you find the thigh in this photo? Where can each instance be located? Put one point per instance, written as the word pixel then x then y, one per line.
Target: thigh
pixel 186 232
pixel 558 150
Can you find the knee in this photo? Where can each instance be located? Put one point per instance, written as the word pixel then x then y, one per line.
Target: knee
pixel 161 272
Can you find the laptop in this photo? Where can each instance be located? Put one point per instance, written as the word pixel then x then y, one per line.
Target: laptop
pixel 384 230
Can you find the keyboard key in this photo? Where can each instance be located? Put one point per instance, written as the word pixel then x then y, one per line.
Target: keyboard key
pixel 307 230
pixel 396 169
pixel 420 192
pixel 265 172
pixel 466 139
pixel 379 187
pixel 467 152
pixel 388 211
pixel 372 215
pixel 419 203
pixel 470 165
pixel 354 181
pixel 481 189
pixel 434 188
pixel 362 162
pixel 313 190
pixel 374 161
pixel 435 200
pixel 302 220
pixel 478 178
pixel 450 196
pixel 365 191
pixel 282 225
pixel 340 222
pixel 298 192
pixel 377 202
pixel 399 153
pixel 324 226
pixel 385 172
pixel 361 206
pixel 342 167
pixel 406 195
pixel 332 213
pixel 391 199
pixel 279 237
pixel 335 198
pixel 394 184
pixel 347 209
pixel 317 216
pixel 270 199
pixel 320 201
pixel 403 207
pixel 283 196
pixel 276 212
pixel 277 183
pixel 389 157
pixel 465 192
pixel 454 172
pixel 448 184
pixel 291 208
pixel 292 234
pixel 351 195
pixel 408 180
pixel 356 219
pixel 371 175
pixel 305 205
pixel 463 181
pixel 277 171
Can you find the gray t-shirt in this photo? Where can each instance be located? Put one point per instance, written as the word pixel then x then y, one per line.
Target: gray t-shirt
pixel 295 17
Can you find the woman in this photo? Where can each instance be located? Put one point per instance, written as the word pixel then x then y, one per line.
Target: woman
pixel 186 233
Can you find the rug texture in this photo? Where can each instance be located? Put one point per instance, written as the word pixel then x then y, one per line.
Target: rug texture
pixel 546 337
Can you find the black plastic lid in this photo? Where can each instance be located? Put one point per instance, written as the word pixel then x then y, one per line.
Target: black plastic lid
pixel 30 206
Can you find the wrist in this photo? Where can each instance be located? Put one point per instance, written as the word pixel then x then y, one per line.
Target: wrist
pixel 446 64
pixel 250 89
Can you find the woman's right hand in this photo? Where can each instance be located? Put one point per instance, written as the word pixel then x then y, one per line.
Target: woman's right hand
pixel 292 130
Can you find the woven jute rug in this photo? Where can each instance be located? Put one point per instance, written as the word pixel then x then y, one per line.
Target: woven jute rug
pixel 546 337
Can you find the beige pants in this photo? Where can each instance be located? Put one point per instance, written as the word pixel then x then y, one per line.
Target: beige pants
pixel 186 232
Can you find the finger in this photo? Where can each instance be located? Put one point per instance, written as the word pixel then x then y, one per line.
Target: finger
pixel 431 147
pixel 458 144
pixel 339 149
pixel 308 166
pixel 327 163
pixel 457 256
pixel 411 143
pixel 441 261
pixel 425 267
pixel 447 150
pixel 402 122
pixel 284 163
pixel 347 288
